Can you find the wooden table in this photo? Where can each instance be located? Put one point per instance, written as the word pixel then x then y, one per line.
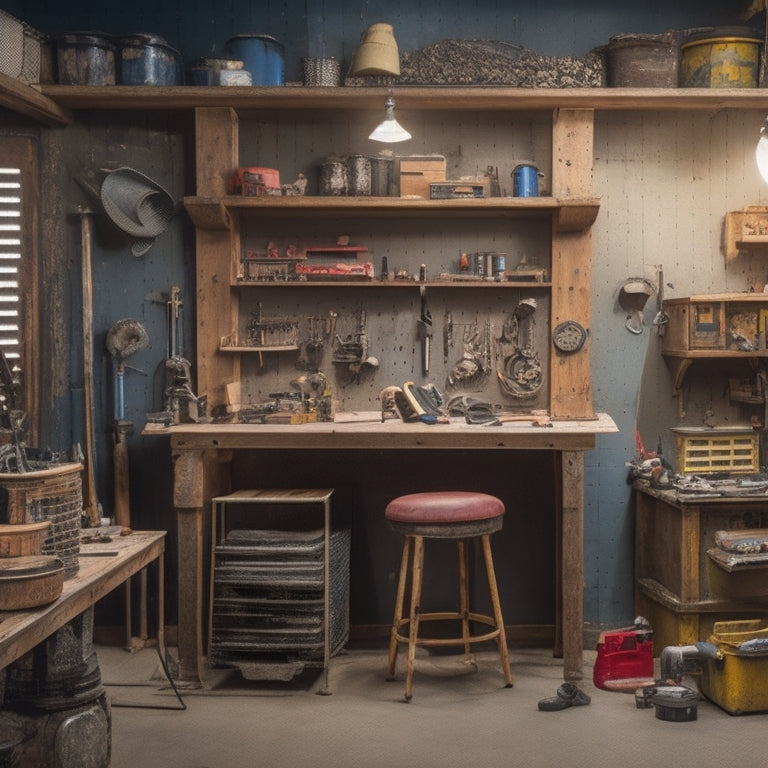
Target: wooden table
pixel 103 566
pixel 198 448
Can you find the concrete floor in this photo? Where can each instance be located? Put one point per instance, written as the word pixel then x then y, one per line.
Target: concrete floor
pixel 456 719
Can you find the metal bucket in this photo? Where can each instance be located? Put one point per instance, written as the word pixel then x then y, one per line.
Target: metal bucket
pixel 262 56
pixel 85 58
pixel 148 60
pixel 642 61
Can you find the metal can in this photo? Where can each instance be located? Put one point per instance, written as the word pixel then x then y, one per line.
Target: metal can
pixel 498 265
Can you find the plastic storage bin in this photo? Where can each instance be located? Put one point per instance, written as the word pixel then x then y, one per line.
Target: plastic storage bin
pixel 736 680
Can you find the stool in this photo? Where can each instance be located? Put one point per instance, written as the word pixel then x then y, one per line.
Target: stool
pixel 463 516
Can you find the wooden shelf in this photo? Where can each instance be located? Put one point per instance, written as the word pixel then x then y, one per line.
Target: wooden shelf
pixel 27 100
pixel 392 284
pixel 453 98
pixel 568 215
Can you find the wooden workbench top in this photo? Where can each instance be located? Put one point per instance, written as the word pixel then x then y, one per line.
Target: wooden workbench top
pixel 103 566
pixel 365 430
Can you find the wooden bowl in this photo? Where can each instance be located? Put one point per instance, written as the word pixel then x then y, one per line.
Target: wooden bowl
pixel 30 581
pixel 23 539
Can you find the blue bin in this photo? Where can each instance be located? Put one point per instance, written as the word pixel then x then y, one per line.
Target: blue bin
pixel 262 56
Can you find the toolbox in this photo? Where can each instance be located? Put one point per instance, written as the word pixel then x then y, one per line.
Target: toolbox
pixel 623 655
pixel 735 679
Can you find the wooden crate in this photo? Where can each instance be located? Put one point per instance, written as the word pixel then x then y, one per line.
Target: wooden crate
pixel 717 450
pixel 417 173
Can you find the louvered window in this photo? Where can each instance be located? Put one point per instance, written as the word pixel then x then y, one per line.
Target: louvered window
pixel 10 266
pixel 19 217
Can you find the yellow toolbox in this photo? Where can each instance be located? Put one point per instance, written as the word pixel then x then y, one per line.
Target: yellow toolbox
pixel 735 680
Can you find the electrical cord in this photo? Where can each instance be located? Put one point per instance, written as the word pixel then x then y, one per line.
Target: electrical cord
pixel 143 685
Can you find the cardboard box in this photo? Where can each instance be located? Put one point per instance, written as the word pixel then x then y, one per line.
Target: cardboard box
pixel 417 172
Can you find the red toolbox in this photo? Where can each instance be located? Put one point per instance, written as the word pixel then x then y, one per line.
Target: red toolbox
pixel 623 655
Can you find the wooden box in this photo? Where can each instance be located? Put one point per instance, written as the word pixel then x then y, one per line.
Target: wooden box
pixel 703 450
pixel 416 173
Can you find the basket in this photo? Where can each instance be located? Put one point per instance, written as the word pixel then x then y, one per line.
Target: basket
pixel 53 494
pixel 320 71
pixel 20 52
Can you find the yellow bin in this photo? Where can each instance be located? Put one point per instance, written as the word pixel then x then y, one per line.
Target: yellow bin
pixel 720 62
pixel 735 681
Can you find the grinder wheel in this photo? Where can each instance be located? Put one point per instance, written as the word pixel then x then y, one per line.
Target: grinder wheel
pixel 126 337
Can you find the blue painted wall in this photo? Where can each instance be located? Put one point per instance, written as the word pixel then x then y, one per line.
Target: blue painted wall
pixel 327 27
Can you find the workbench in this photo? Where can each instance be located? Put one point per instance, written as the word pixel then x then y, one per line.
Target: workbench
pixel 199 450
pixel 679 588
pixel 103 566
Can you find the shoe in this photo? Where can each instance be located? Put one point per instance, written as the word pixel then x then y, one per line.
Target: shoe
pixel 568 695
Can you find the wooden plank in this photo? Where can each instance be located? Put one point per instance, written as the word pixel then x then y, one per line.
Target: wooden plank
pixel 570 373
pixel 26 100
pixel 572 563
pixel 217 151
pixel 454 98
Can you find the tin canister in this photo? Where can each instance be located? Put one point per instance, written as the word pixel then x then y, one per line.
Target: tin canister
pixel 358 175
pixel 262 56
pixel 334 177
pixel 498 266
pixel 525 180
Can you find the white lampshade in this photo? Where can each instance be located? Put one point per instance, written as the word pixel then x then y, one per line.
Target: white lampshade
pixel 389 130
pixel 761 152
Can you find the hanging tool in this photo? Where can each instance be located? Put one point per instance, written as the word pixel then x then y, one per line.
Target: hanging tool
pixel 91 506
pixel 661 318
pixel 11 419
pixel 447 334
pixel 425 331
pixel 124 338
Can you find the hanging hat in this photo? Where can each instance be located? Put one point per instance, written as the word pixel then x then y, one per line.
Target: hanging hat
pixel 137 205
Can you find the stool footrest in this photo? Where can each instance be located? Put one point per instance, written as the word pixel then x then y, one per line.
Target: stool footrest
pixel 449 616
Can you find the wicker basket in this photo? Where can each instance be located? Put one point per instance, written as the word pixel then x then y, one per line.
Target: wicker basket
pixel 54 494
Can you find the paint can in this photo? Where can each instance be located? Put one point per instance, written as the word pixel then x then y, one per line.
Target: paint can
pixel 525 180
pixel 725 57
pixel 262 55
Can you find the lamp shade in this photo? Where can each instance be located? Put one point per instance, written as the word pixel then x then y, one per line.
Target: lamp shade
pixel 389 130
pixel 761 152
pixel 377 53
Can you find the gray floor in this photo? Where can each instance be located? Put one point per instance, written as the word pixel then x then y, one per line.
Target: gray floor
pixel 457 718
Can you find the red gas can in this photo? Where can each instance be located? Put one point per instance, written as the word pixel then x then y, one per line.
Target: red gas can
pixel 623 655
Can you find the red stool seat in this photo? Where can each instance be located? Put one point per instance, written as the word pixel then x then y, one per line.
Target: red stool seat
pixel 446 514
pixel 466 517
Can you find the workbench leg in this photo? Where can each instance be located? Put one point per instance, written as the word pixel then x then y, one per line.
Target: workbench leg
pixel 573 563
pixel 188 498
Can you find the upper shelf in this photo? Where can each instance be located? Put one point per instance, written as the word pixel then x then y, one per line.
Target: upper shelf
pixel 493 98
pixel 568 215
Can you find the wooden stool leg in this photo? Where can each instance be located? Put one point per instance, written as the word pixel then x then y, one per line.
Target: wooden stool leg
pixel 398 617
pixel 464 595
pixel 491 573
pixel 416 576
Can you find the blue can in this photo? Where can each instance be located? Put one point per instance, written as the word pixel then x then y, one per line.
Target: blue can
pixel 262 56
pixel 525 180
